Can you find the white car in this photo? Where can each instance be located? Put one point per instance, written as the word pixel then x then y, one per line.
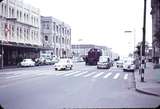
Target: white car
pixel 119 63
pixel 54 60
pixel 63 64
pixel 27 62
pixel 129 65
pixel 104 62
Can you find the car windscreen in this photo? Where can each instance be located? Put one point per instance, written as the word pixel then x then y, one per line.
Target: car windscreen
pixel 103 59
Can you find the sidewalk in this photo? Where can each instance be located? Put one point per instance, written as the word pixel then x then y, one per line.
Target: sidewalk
pixel 151 84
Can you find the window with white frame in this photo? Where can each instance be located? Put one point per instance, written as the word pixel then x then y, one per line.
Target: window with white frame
pixel 12 12
pixel 5 10
pixel 17 14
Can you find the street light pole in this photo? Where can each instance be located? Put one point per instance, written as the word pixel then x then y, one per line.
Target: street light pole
pixel 143 44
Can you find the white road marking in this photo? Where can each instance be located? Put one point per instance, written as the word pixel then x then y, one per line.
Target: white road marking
pixel 19 75
pixel 49 73
pixel 89 74
pixel 107 75
pixel 81 73
pixel 58 74
pixel 125 76
pixel 97 75
pixel 69 74
pixel 116 76
pixel 13 76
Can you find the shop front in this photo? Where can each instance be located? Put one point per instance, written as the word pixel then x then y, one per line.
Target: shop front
pixel 12 53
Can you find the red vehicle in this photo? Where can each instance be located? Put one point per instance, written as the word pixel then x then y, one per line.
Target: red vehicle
pixel 93 56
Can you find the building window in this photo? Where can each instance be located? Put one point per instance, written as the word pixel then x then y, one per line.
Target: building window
pixel 56 51
pixel 32 34
pixel 12 30
pixel 63 40
pixel 57 28
pixel 47 26
pixel 46 38
pixel 53 39
pixel 27 34
pixel 24 33
pixel 20 32
pixel 5 10
pixel 56 39
pixel 59 40
pixel 20 14
pixel 54 24
pixel 12 12
pixel 2 8
pixel 24 17
pixel 63 31
pixel 17 32
pixel 17 14
pixel 34 20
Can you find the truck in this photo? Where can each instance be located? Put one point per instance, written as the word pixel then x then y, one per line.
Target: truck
pixel 93 56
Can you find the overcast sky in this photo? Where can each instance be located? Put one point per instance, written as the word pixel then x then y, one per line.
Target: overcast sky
pixel 100 22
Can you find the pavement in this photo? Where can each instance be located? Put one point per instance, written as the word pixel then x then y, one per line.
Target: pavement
pixel 151 84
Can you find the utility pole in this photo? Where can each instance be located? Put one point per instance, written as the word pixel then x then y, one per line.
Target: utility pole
pixel 143 44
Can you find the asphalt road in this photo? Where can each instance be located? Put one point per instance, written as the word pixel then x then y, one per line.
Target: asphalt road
pixel 83 87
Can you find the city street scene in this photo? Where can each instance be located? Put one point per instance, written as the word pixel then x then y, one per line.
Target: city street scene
pixel 79 54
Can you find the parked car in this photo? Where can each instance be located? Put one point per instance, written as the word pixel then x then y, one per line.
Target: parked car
pixel 47 61
pixel 63 64
pixel 39 61
pixel 119 63
pixel 54 60
pixel 27 62
pixel 129 65
pixel 104 62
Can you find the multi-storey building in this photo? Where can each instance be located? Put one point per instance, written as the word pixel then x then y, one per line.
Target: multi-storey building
pixel 155 4
pixel 56 35
pixel 81 50
pixel 19 31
